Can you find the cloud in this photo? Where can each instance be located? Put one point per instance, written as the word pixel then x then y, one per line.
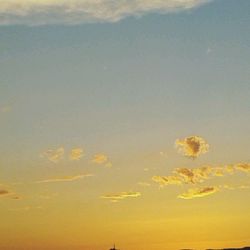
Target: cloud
pixel 192 146
pixel 4 192
pixel 39 12
pixel 168 180
pixel 65 178
pixel 121 196
pixel 54 155
pixel 102 159
pixel 76 154
pixel 197 193
pixel 245 167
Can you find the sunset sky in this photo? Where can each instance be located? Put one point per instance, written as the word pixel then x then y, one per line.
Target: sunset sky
pixel 124 121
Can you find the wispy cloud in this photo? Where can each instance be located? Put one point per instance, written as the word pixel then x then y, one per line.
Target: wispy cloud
pixel 192 146
pixel 245 167
pixel 4 192
pixel 39 12
pixel 197 193
pixel 65 178
pixel 54 155
pixel 168 180
pixel 121 196
pixel 76 154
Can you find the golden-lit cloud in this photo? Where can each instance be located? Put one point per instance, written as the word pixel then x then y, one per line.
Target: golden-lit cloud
pixel 192 146
pixel 199 192
pixel 199 174
pixel 76 154
pixel 245 167
pixel 121 196
pixel 54 155
pixel 65 178
pixel 39 12
pixel 101 159
pixel 168 180
pixel 4 192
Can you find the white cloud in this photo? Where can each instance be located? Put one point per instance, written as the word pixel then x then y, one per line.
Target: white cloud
pixel 39 12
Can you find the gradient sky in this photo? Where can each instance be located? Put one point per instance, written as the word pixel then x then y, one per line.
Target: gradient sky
pixel 96 111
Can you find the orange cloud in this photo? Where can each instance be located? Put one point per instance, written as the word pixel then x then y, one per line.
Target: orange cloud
pixel 197 193
pixel 245 167
pixel 4 192
pixel 168 180
pixel 192 146
pixel 121 196
pixel 76 154
pixel 102 159
pixel 65 178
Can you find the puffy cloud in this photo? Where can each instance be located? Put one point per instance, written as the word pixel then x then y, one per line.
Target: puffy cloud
pixel 65 178
pixel 76 154
pixel 102 159
pixel 121 196
pixel 54 155
pixel 38 12
pixel 192 146
pixel 196 193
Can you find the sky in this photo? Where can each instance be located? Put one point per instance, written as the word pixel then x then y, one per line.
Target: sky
pixel 124 122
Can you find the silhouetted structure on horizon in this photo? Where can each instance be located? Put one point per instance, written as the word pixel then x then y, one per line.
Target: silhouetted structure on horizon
pixel 243 248
pixel 113 248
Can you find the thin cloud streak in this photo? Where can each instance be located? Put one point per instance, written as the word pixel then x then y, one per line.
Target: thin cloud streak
pixel 41 12
pixel 197 193
pixel 121 196
pixel 65 178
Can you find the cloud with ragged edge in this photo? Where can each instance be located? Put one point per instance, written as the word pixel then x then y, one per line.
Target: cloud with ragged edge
pixel 101 159
pixel 76 154
pixel 54 155
pixel 198 175
pixel 41 12
pixel 245 167
pixel 65 178
pixel 198 192
pixel 192 146
pixel 121 196
pixel 194 176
